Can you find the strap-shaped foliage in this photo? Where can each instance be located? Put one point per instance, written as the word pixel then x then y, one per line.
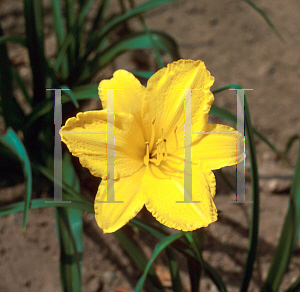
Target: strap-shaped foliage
pixel 13 142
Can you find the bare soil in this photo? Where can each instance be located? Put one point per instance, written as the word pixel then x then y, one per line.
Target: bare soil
pixel 237 46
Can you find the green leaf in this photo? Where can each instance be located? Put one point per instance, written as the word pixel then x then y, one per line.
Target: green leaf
pixel 266 18
pixel 215 277
pixel 154 44
pixel 21 84
pixel 70 38
pixel 196 240
pixel 13 142
pixel 289 144
pixel 70 234
pixel 288 237
pixel 98 21
pixel 11 111
pixel 41 203
pixel 148 228
pixel 138 257
pixel 254 220
pixel 174 270
pixel 143 7
pixel 143 74
pixel 59 29
pixel 67 188
pixel 12 39
pixel 158 249
pixel 83 92
pixel 137 40
pixel 78 93
pixel 33 12
pixel 227 115
pixel 180 246
pixel 194 268
pixel 71 20
pixel 71 95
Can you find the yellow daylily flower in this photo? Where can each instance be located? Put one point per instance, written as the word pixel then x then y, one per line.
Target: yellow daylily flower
pixel 149 148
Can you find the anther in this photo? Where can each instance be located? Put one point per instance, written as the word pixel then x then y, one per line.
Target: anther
pixel 152 133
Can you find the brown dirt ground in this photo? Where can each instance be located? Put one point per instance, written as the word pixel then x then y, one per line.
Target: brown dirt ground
pixel 237 46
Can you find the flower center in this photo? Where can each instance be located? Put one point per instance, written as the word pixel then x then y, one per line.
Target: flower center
pixel 160 153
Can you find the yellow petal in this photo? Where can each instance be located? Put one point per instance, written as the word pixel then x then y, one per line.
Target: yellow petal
pixel 161 196
pixel 112 216
pixel 222 146
pixel 164 101
pixel 127 100
pixel 86 137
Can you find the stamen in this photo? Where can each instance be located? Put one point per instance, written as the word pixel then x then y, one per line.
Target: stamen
pixel 154 160
pixel 165 149
pixel 152 133
pixel 150 167
pixel 146 157
pixel 176 139
pixel 171 168
pixel 159 151
pixel 168 173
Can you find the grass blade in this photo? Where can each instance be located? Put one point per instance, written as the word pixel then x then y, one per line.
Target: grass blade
pixel 11 111
pixel 254 218
pixel 158 249
pixel 33 12
pixel 227 115
pixel 67 188
pixel 72 34
pixel 12 39
pixel 70 237
pixel 266 18
pixel 154 45
pixel 180 246
pixel 174 271
pixel 44 107
pixel 59 29
pixel 70 19
pixel 70 234
pixel 98 21
pixel 138 257
pixel 40 203
pixel 288 237
pixel 13 142
pixel 143 7
pixel 289 144
pixel 21 84
pixel 71 96
pixel 143 74
pixel 214 276
pixel 137 40
pixel 194 268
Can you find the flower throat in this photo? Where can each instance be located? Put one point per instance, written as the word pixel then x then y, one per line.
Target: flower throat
pixel 160 153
